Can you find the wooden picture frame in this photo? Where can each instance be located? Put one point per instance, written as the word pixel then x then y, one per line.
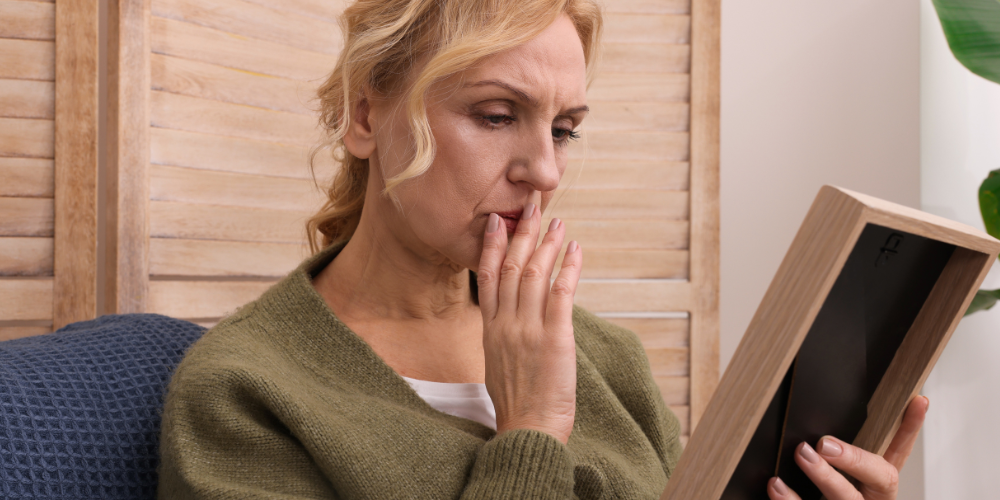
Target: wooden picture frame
pixel 858 313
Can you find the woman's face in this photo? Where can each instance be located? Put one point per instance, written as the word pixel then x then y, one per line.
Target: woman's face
pixel 502 130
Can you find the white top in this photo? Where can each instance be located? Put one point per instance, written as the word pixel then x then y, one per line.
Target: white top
pixel 469 401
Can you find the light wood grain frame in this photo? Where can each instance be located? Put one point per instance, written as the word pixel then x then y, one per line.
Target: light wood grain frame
pixel 772 340
pixel 76 162
pixel 127 187
pixel 704 242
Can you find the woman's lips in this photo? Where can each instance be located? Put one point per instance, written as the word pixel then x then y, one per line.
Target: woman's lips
pixel 510 219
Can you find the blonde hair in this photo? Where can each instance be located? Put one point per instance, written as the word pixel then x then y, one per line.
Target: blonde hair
pixel 382 41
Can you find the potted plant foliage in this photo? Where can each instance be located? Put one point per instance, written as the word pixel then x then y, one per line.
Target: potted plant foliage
pixel 972 28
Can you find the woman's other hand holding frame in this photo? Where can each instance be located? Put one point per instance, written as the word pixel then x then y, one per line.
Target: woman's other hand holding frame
pixel 878 477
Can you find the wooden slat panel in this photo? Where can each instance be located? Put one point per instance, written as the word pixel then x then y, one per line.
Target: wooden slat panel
pixel 32 20
pixel 647 28
pixel 27 137
pixel 177 257
pixel 25 299
pixel 684 415
pixel 17 332
pixel 668 361
pixel 676 391
pixel 210 81
pixel 76 158
pixel 27 99
pixel 601 263
pixel 649 6
pixel 27 59
pixel 26 217
pixel 657 332
pixel 646 58
pixel 254 21
pixel 211 222
pixel 633 295
pixel 320 9
pixel 631 87
pixel 202 299
pixel 127 172
pixel 213 117
pixel 657 146
pixel 27 177
pixel 619 204
pixel 705 105
pixel 625 234
pixel 644 116
pixel 223 188
pixel 25 256
pixel 625 174
pixel 232 154
pixel 218 47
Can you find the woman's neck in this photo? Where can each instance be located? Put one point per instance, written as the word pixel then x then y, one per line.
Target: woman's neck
pixel 416 313
pixel 376 276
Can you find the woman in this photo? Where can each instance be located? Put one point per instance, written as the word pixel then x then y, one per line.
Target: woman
pixel 361 374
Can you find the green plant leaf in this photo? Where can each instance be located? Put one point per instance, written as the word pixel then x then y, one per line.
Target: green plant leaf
pixel 983 300
pixel 973 31
pixel 989 203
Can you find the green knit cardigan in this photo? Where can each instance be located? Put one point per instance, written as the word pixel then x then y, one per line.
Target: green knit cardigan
pixel 281 400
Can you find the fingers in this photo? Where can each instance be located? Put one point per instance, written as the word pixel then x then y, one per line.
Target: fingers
pixel 535 278
pixel 778 490
pixel 560 303
pixel 522 246
pixel 488 274
pixel 879 479
pixel 879 476
pixel 832 483
pixel 902 443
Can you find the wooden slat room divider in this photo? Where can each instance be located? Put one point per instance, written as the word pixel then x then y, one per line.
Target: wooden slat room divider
pixel 48 165
pixel 210 122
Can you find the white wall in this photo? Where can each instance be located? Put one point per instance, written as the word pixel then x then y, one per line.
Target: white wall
pixel 960 144
pixel 813 93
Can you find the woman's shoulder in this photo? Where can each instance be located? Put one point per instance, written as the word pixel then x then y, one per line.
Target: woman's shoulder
pixel 601 338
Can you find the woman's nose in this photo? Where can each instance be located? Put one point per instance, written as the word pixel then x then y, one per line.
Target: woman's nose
pixel 535 162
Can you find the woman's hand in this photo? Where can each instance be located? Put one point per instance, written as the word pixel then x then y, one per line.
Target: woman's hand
pixel 878 476
pixel 528 325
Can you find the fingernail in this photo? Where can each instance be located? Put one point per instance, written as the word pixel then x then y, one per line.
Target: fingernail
pixel 554 224
pixel 493 224
pixel 572 247
pixel 529 210
pixel 829 447
pixel 928 402
pixel 808 453
pixel 779 487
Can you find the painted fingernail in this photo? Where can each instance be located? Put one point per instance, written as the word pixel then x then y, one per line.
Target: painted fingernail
pixel 529 210
pixel 808 453
pixel 554 224
pixel 572 247
pixel 779 487
pixel 493 224
pixel 829 447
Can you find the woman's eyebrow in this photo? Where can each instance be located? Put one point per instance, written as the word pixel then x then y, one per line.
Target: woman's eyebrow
pixel 524 96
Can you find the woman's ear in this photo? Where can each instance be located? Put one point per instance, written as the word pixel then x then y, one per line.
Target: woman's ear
pixel 360 136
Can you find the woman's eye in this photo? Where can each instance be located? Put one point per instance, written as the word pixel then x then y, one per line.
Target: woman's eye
pixel 562 134
pixel 494 121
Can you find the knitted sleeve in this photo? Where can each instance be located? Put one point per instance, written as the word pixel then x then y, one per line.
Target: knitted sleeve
pixel 622 362
pixel 218 442
pixel 522 463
